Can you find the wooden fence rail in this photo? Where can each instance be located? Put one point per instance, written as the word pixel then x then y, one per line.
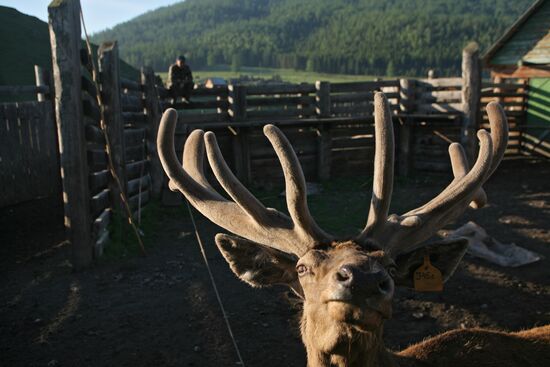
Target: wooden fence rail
pixel 330 125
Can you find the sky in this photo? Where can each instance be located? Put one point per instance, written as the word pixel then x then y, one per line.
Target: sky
pixel 98 14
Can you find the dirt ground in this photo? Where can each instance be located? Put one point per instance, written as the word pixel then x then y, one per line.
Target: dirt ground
pixel 160 310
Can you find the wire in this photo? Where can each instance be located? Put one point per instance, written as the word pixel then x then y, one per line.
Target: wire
pixel 214 284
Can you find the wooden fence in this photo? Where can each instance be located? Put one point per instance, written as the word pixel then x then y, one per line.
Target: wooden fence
pixel 93 153
pixel 330 126
pixel 28 149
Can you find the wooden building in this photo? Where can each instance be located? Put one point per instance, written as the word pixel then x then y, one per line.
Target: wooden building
pixel 523 52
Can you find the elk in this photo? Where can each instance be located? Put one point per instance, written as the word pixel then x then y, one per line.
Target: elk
pixel 347 285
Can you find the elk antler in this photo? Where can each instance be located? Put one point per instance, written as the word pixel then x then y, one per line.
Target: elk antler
pixel 245 215
pixel 398 234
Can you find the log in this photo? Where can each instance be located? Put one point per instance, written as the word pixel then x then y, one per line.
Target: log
pixel 471 91
pixel 130 85
pixel 131 103
pixel 237 102
pixel 99 180
pixel 280 101
pixel 153 117
pixel 102 221
pixel 64 27
pixel 279 89
pixel 110 87
pixel 134 184
pixel 362 86
pixel 290 112
pixel 134 118
pixel 136 169
pixel 21 89
pixel 323 99
pixel 99 202
pixel 40 81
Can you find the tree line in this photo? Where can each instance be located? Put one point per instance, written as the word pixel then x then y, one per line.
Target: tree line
pixel 391 37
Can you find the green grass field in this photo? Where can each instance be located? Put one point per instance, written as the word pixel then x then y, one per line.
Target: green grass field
pixel 287 75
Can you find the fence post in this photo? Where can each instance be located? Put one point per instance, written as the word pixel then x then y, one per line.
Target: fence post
pixel 64 25
pixel 40 78
pixel 471 94
pixel 110 90
pixel 237 112
pixel 322 98
pixel 152 107
pixel 237 102
pixel 407 107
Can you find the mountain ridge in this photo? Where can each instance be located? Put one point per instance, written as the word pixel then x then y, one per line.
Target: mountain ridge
pixel 404 37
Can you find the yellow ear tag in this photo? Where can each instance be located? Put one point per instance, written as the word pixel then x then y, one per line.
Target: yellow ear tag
pixel 427 278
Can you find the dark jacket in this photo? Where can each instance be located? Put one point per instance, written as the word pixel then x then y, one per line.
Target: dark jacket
pixel 179 75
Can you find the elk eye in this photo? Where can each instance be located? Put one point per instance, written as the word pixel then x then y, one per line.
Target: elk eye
pixel 392 270
pixel 301 269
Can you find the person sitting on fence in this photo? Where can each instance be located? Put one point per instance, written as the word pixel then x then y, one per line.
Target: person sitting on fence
pixel 180 80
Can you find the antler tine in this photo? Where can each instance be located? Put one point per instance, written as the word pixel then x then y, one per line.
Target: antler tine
pixel 499 136
pixel 404 232
pixel 499 132
pixel 193 158
pixel 295 186
pixel 382 186
pixel 460 166
pixel 252 206
pixel 246 217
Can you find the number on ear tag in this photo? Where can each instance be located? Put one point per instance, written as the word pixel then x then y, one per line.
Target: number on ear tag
pixel 427 278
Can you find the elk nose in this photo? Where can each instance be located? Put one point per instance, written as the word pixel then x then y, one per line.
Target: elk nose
pixel 344 275
pixel 368 283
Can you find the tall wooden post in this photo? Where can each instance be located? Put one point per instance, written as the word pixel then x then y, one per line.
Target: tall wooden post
pixel 110 91
pixel 40 79
pixel 152 107
pixel 241 151
pixel 64 26
pixel 471 94
pixel 322 98
pixel 237 102
pixel 407 107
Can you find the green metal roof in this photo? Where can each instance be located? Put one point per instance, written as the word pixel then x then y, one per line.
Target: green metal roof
pixel 526 41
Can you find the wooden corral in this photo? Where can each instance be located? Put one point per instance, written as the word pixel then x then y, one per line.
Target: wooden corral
pixel 330 126
pixel 28 152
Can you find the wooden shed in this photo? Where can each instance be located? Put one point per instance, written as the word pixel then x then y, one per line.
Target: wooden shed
pixel 523 52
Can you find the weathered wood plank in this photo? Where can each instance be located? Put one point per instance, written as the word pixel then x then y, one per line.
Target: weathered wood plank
pixel 280 101
pixel 471 91
pixel 99 181
pixel 280 89
pixel 152 107
pixel 22 89
pixel 130 84
pixel 137 169
pixel 362 86
pixel 134 184
pixel 134 117
pixel 64 25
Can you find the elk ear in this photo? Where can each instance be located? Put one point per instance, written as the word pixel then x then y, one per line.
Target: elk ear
pixel 258 265
pixel 444 254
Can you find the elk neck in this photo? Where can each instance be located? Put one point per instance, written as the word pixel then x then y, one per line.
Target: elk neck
pixel 337 345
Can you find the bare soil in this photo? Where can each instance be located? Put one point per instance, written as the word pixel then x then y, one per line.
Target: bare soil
pixel 160 309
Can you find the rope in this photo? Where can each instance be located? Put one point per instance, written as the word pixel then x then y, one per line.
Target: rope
pixel 220 303
pixel 207 264
pixel 108 148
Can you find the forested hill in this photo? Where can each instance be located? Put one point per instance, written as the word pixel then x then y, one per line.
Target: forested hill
pixel 382 37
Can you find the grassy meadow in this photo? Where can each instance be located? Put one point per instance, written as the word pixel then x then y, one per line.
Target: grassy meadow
pixel 287 75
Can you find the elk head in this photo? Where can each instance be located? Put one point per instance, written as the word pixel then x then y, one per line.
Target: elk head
pixel 347 285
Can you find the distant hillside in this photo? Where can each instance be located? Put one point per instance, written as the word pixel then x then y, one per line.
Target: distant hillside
pixel 25 42
pixel 339 36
